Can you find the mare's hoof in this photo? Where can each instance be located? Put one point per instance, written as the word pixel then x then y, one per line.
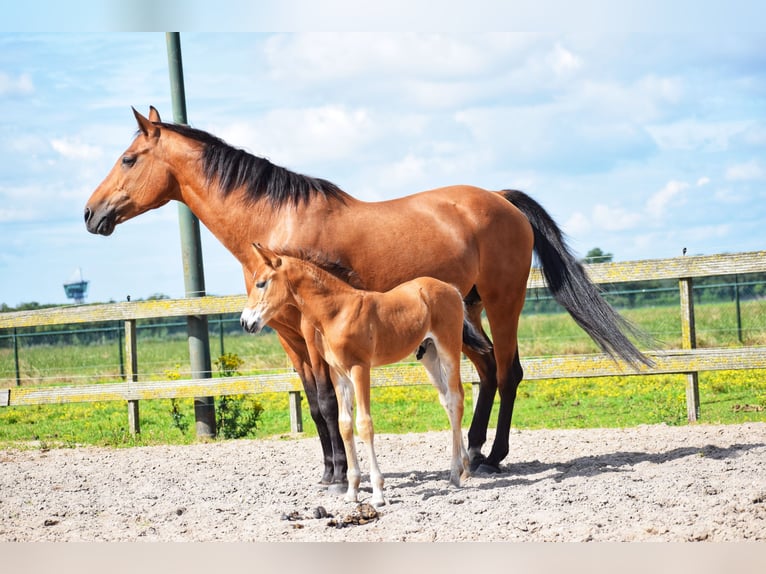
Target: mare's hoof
pixel 476 462
pixel 488 468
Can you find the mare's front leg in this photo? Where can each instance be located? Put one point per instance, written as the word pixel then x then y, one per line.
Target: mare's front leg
pixel 327 405
pixel 322 405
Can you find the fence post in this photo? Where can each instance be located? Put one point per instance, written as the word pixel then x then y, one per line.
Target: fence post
pixel 131 373
pixel 121 349
pixel 689 341
pixel 296 418
pixel 16 357
pixel 739 311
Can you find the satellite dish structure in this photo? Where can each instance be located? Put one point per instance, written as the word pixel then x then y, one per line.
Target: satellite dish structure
pixel 76 288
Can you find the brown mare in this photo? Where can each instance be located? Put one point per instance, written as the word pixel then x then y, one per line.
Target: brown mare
pixel 477 240
pixel 354 330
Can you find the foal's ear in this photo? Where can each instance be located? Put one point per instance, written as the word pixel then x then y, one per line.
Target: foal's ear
pixel 146 126
pixel 269 257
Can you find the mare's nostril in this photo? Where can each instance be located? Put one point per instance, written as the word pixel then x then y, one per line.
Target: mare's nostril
pixel 88 214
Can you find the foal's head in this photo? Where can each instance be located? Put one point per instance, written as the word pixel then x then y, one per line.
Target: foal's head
pixel 269 293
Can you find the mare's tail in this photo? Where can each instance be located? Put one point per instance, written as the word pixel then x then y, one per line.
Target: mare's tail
pixel 571 287
pixel 474 339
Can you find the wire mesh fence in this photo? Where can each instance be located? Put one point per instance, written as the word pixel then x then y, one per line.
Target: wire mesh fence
pixel 729 311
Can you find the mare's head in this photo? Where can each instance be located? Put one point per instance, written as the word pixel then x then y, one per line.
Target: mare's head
pixel 138 182
pixel 270 290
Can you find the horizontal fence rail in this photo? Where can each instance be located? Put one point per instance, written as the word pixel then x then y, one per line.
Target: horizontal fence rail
pixel 688 360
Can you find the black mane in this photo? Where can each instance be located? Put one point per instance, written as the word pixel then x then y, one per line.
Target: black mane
pixel 233 168
pixel 321 260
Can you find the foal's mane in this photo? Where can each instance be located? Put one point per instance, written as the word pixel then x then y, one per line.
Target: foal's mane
pixel 235 168
pixel 312 260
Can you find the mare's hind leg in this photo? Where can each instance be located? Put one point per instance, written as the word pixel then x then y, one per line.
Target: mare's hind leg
pixel 503 320
pixel 507 400
pixel 445 376
pixel 487 370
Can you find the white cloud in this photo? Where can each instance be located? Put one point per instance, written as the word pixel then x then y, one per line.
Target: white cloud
pixel 657 204
pixel 577 224
pixel 323 56
pixel 748 171
pixel 563 61
pixel 20 85
pixel 730 196
pixel 73 149
pixel 614 218
pixel 704 180
pixel 293 137
pixel 12 214
pixel 689 135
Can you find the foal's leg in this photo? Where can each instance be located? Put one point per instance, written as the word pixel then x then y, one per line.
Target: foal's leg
pixel 344 390
pixel 444 373
pixel 361 378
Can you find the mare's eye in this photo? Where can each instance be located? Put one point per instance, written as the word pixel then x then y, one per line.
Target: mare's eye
pixel 128 160
pixel 260 284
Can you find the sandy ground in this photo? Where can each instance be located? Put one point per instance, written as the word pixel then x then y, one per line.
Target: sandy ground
pixel 650 483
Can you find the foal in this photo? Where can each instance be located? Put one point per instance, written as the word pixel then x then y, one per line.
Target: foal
pixel 355 330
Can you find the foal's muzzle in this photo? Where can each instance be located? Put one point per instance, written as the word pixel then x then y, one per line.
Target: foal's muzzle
pixel 251 321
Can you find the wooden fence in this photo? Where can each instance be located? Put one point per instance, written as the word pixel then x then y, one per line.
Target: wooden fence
pixel 688 360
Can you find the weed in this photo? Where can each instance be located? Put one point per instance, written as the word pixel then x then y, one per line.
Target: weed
pixel 237 416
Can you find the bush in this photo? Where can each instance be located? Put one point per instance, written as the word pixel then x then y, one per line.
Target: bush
pixel 237 416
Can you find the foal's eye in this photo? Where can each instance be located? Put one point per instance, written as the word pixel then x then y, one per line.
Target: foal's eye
pixel 128 160
pixel 260 284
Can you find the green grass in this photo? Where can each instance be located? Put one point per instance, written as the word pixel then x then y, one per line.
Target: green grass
pixel 726 396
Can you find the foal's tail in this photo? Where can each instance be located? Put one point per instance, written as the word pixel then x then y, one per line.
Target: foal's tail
pixel 473 338
pixel 571 287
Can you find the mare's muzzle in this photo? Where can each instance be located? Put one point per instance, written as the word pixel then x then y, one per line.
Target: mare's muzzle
pixel 100 221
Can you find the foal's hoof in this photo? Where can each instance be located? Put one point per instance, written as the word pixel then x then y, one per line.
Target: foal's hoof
pixel 338 488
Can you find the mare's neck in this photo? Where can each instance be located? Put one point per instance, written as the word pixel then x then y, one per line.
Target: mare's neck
pixel 235 221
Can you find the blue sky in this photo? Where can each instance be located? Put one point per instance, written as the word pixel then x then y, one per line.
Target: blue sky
pixel 640 143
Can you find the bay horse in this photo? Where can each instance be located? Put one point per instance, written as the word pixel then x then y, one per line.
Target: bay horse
pixel 480 241
pixel 354 330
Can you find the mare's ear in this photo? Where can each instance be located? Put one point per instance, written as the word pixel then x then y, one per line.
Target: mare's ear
pixel 154 115
pixel 145 125
pixel 269 257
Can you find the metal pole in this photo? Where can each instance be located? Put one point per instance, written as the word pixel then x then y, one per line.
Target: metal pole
pixel 191 251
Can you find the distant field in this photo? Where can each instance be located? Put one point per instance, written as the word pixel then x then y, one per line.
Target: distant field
pixel 727 397
pixel 539 335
